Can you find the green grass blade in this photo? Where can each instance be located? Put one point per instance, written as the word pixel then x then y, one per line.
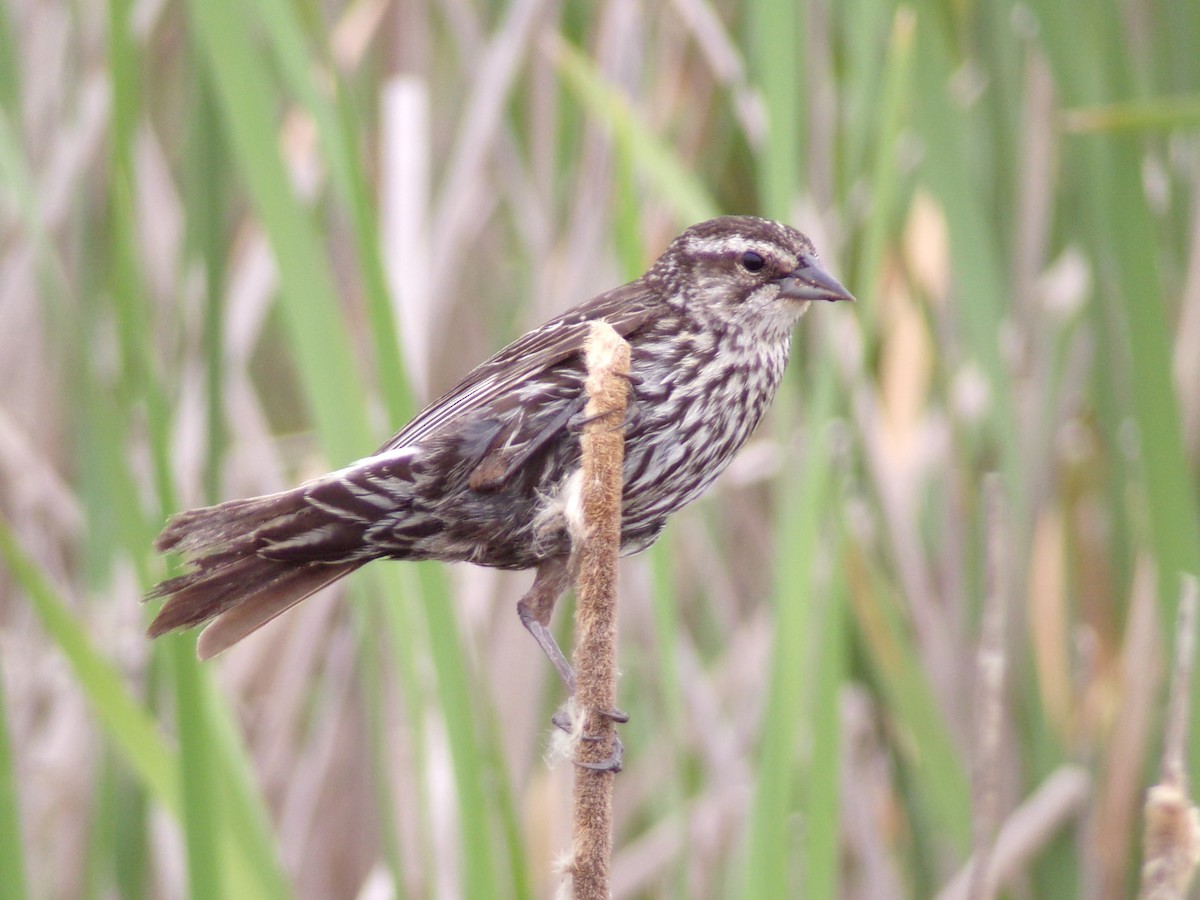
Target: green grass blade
pixel 663 171
pixel 1125 241
pixel 119 856
pixel 201 825
pixel 323 356
pixel 457 701
pixel 16 193
pixel 123 719
pixel 337 129
pixel 778 72
pixel 881 227
pixel 771 858
pixel 942 790
pixel 253 865
pixel 134 733
pixel 372 638
pixel 205 198
pixel 820 785
pixel 200 787
pixel 12 854
pixel 403 618
pixel 1152 114
pixel 10 75
pixel 974 245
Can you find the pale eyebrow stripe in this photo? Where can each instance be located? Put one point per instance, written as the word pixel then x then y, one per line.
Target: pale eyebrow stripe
pixel 722 245
pixel 734 244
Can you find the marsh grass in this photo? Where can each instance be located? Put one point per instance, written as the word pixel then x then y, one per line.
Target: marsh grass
pixel 241 242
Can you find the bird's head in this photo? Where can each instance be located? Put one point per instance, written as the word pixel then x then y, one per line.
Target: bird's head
pixel 745 270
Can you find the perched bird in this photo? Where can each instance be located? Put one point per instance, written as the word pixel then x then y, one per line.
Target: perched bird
pixel 484 473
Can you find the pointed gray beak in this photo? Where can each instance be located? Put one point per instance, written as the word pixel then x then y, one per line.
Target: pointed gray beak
pixel 811 282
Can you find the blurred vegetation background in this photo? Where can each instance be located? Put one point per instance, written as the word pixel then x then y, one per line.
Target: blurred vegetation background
pixel 241 242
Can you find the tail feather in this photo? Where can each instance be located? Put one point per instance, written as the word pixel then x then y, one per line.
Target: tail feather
pixel 226 524
pixel 231 582
pixel 275 598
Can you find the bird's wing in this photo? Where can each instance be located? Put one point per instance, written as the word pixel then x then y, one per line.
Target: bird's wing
pixel 496 386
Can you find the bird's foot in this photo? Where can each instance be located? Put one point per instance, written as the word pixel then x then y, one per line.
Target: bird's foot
pixel 614 762
pixel 534 610
pixel 631 417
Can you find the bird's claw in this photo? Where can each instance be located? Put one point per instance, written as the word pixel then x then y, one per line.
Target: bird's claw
pixel 632 416
pixel 614 762
pixel 562 719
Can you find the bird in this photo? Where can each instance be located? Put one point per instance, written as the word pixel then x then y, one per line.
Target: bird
pixel 486 472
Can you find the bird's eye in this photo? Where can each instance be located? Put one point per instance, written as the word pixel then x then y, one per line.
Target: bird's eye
pixel 752 262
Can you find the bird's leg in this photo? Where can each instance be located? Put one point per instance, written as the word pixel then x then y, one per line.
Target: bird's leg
pixel 535 608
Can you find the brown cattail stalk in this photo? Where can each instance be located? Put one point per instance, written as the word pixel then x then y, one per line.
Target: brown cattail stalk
pixel 1171 846
pixel 597 539
pixel 1056 803
pixel 991 662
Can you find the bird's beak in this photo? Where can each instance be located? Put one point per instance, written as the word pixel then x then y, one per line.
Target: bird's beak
pixel 810 282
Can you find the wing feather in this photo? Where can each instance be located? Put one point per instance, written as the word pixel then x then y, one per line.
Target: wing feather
pixel 626 308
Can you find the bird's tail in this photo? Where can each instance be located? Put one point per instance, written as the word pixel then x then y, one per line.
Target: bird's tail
pixel 231 582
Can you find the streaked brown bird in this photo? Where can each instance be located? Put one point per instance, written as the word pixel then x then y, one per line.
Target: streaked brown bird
pixel 484 473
